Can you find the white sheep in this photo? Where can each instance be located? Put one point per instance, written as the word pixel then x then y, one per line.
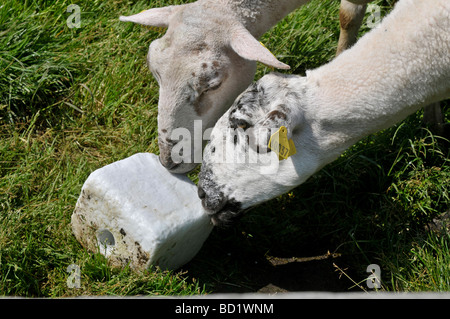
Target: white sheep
pixel 207 58
pixel 391 72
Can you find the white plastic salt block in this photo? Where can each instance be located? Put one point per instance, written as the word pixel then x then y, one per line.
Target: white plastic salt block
pixel 135 212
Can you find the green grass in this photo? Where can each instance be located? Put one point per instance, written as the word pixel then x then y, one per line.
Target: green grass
pixel 73 100
pixel 430 266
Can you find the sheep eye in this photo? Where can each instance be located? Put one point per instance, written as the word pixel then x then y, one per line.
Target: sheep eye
pixel 243 125
pixel 239 123
pixel 213 87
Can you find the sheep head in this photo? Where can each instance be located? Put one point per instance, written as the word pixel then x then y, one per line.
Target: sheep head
pixel 239 170
pixel 203 62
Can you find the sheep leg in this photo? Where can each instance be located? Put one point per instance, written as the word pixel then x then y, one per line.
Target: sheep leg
pixel 432 116
pixel 350 17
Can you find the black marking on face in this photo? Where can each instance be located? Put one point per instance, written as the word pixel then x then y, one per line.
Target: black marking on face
pixel 208 78
pixel 210 193
pixel 223 210
pixel 199 47
pixel 276 115
pixel 239 123
pixel 243 111
pixel 229 214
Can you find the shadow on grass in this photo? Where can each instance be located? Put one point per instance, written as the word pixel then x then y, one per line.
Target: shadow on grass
pixel 241 267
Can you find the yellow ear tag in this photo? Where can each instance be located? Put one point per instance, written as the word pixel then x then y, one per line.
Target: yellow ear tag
pixel 280 144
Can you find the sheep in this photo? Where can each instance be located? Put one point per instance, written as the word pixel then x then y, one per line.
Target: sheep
pixel 207 58
pixel 351 15
pixel 204 61
pixel 391 72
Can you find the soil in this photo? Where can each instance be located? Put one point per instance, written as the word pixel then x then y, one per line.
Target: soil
pixel 242 272
pixel 318 273
pixel 267 255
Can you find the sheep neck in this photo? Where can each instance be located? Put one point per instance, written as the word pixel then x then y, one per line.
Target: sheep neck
pixel 385 77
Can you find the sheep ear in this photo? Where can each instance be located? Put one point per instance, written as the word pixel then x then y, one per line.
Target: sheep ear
pixel 245 44
pixel 157 17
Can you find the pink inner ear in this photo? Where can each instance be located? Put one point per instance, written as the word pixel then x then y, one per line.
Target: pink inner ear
pixel 157 17
pixel 244 44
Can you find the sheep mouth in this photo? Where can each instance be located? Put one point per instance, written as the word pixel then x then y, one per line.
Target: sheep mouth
pixel 223 210
pixel 228 215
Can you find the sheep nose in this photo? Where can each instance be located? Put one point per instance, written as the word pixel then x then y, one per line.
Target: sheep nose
pixel 201 193
pixel 213 203
pixel 177 165
pixel 165 156
pixel 213 200
pixel 167 162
